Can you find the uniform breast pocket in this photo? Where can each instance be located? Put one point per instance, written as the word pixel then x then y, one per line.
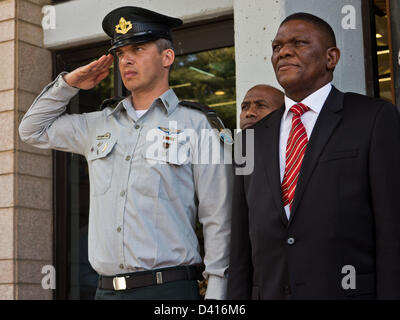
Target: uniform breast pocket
pixel 101 166
pixel 164 175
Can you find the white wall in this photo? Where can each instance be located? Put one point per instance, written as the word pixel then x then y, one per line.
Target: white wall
pixel 256 23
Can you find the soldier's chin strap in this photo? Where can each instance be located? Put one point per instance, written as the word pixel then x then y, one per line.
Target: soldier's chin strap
pixel 224 133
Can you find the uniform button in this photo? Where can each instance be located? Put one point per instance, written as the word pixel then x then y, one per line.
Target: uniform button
pixel 92 149
pixel 122 193
pixel 128 158
pixel 137 126
pixel 119 229
pixel 287 290
pixel 290 241
pixel 121 266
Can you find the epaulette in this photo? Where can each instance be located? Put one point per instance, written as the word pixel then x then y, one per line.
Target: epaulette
pixel 224 133
pixel 112 102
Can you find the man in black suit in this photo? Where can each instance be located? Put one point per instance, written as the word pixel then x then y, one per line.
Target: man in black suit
pixel 319 217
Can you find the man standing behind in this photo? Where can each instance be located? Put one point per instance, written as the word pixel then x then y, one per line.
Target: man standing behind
pixel 258 102
pixel 143 205
pixel 319 216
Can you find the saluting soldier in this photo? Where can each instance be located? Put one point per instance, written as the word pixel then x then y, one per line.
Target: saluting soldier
pixel 143 204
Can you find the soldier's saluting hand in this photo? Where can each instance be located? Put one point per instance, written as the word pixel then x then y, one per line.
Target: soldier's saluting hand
pixel 90 75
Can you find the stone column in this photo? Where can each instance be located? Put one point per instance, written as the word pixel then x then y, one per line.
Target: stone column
pixel 26 213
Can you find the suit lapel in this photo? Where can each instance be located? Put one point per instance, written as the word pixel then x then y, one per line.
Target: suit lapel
pixel 269 146
pixel 325 125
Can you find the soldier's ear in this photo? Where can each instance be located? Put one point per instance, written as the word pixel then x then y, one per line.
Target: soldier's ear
pixel 168 57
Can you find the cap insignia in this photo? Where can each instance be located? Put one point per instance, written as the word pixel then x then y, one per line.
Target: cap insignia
pixel 123 26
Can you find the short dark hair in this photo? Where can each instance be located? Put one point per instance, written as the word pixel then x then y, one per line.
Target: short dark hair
pixel 163 44
pixel 316 21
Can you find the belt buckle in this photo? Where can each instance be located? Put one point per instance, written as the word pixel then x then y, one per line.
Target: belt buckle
pixel 119 283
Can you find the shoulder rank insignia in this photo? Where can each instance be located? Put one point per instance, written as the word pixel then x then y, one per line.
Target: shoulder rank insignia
pixel 224 133
pixel 112 103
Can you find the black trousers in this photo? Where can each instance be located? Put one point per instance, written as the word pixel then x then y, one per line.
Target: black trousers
pixel 176 290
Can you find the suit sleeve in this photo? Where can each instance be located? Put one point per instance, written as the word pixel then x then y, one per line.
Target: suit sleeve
pixel 385 188
pixel 240 272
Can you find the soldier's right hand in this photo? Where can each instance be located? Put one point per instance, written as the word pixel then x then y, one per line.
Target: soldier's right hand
pixel 88 76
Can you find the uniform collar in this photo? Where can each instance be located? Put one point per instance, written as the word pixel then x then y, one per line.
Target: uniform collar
pixel 168 99
pixel 120 105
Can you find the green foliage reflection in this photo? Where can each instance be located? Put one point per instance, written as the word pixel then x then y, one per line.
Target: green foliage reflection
pixel 208 77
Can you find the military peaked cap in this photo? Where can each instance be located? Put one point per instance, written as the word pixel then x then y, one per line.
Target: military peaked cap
pixel 132 25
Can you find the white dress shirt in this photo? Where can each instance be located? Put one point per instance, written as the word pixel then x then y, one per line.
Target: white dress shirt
pixel 315 101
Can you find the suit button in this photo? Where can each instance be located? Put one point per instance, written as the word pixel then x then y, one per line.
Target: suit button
pixel 137 126
pixel 290 241
pixel 287 290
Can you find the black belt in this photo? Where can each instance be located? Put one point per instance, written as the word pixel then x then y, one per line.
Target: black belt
pixel 149 278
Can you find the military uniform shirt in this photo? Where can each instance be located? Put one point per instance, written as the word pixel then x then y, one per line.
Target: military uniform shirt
pixel 142 207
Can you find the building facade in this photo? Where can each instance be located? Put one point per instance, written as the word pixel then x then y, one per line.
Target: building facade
pixel 223 49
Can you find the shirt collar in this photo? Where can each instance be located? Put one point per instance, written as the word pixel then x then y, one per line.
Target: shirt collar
pixel 168 99
pixel 120 105
pixel 314 101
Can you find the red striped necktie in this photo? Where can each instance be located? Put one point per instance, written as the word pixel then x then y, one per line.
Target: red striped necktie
pixel 296 146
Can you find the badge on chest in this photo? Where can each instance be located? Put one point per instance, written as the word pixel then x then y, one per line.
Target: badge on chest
pixel 167 145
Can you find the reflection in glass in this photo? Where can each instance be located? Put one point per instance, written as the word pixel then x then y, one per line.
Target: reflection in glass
pixel 209 78
pixel 382 42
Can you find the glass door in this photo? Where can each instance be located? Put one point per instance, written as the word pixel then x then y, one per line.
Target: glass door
pixel 394 24
pixel 384 37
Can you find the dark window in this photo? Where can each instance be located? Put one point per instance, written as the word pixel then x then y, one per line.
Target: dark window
pixel 383 44
pixel 380 28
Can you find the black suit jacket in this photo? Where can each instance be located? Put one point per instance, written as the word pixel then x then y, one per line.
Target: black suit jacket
pixel 346 208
